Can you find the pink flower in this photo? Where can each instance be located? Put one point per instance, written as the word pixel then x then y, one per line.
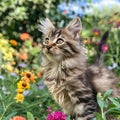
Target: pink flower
pixel 57 115
pixel 49 109
pixel 104 48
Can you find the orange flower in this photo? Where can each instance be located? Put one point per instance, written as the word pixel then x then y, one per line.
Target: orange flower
pixel 17 118
pixel 25 79
pixel 96 32
pixel 40 73
pixel 13 42
pixel 28 76
pixel 25 36
pixel 23 56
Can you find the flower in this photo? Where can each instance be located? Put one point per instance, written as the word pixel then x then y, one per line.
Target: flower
pixel 23 85
pixel 28 76
pixel 104 48
pixel 40 73
pixel 88 41
pixel 65 12
pixel 57 115
pixel 49 109
pixel 13 74
pixel 19 98
pixel 13 42
pixel 41 86
pixel 25 36
pixel 26 92
pixel 23 65
pixel 23 56
pixel 17 118
pixel 114 65
pixel 96 32
pixel 20 90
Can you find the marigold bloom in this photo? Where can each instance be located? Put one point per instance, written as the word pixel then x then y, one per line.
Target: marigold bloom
pixel 57 115
pixel 19 97
pixel 13 42
pixel 17 118
pixel 28 75
pixel 23 85
pixel 25 36
pixel 23 56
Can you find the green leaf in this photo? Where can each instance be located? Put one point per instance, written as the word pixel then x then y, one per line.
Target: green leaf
pixel 30 116
pixel 107 94
pixel 68 118
pixel 113 111
pixel 98 116
pixel 115 102
pixel 10 115
pixel 100 102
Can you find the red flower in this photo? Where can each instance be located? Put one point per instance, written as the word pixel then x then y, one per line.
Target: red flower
pixel 104 48
pixel 25 36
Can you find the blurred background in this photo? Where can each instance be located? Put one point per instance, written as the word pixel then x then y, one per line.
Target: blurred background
pixel 20 47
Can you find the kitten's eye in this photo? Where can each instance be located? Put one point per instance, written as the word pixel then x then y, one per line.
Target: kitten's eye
pixel 59 41
pixel 46 41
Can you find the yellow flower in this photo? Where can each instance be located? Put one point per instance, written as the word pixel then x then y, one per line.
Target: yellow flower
pixel 19 97
pixel 28 76
pixel 23 85
pixel 8 67
pixel 20 90
pixel 13 42
pixel 3 43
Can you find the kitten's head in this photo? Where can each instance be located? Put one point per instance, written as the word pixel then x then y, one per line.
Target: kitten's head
pixel 61 43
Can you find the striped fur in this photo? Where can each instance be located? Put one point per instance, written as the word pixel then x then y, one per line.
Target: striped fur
pixel 71 82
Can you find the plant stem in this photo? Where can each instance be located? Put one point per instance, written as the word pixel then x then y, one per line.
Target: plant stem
pixel 5 110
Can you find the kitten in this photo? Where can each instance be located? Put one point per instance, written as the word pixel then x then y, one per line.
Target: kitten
pixel 71 82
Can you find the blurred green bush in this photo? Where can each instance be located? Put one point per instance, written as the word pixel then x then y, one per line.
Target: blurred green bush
pixel 18 16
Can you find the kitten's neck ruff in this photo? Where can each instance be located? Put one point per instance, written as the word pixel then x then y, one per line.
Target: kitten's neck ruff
pixel 56 69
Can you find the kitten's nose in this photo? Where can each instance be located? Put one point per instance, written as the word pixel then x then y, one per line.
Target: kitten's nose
pixel 50 45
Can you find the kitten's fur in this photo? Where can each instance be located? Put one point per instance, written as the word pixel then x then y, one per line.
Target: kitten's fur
pixel 71 82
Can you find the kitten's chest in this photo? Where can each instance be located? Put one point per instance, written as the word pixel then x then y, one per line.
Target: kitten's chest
pixel 56 81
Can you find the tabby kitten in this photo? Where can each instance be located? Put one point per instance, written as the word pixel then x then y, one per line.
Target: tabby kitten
pixel 71 82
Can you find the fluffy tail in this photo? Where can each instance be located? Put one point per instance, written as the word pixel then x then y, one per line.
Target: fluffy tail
pixel 100 53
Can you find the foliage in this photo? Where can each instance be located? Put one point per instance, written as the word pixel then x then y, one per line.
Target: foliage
pixel 108 106
pixel 18 16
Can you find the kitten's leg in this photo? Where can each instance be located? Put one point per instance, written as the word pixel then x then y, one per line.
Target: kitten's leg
pixel 72 117
pixel 85 111
pixel 84 104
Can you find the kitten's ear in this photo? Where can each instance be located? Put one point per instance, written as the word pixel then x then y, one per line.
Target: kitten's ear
pixel 75 26
pixel 46 26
